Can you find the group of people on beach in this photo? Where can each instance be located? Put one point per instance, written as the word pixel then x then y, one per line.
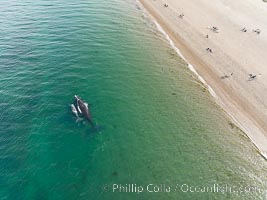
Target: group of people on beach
pixel 180 16
pixel 227 76
pixel 216 30
pixel 252 77
pixel 244 29
pixel 258 31
pixel 209 50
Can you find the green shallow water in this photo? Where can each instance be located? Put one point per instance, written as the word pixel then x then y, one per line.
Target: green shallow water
pixel 158 125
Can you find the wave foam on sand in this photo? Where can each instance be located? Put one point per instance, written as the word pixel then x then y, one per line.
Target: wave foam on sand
pixel 234 103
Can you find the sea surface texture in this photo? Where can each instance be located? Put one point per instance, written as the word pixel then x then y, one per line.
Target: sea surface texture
pixel 155 122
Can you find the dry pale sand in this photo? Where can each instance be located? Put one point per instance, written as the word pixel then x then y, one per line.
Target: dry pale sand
pixel 233 51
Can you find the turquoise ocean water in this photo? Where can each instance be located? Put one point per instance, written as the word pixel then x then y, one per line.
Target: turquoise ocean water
pixel 158 124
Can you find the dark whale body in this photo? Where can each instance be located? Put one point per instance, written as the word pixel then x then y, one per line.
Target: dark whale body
pixel 83 110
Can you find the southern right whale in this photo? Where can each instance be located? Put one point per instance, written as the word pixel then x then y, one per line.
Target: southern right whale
pixel 74 110
pixel 83 110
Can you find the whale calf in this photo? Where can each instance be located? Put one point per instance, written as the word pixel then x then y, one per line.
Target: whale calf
pixel 74 110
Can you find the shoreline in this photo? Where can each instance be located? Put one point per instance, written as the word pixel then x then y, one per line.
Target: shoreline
pixel 238 109
pixel 189 65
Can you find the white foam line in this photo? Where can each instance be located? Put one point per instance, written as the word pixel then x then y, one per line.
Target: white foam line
pixel 191 67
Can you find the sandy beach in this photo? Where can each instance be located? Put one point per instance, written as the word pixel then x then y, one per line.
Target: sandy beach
pixel 226 42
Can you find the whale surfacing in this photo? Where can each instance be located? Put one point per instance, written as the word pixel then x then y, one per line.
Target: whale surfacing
pixel 83 109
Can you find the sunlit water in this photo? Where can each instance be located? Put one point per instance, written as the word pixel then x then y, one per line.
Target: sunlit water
pixel 157 123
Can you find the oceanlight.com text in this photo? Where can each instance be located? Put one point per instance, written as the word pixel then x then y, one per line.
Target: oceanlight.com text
pixel 184 188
